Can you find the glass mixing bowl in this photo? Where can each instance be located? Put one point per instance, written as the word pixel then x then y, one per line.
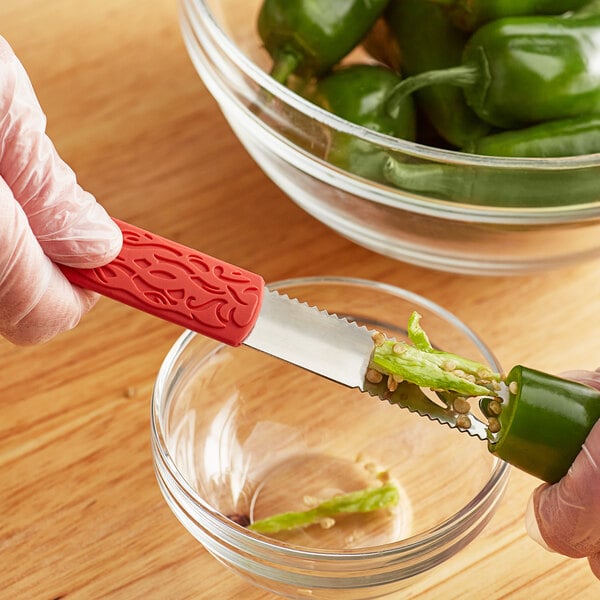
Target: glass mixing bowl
pixel 460 212
pixel 238 434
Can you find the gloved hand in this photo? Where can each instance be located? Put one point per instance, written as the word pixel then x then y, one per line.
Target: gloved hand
pixel 45 218
pixel 565 517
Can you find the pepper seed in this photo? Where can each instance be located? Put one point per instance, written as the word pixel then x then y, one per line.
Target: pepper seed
pixel 383 476
pixel 378 338
pixel 513 387
pixel 374 376
pixel 484 373
pixel 461 405
pixel 493 425
pixel 326 522
pixel 494 407
pixel 449 365
pixel 463 422
pixel 392 384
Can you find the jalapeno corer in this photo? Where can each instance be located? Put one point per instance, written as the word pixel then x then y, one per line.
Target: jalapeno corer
pixel 524 70
pixel 535 421
pixel 308 37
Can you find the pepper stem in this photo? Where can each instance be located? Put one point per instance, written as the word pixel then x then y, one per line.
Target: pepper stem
pixel 284 64
pixel 461 76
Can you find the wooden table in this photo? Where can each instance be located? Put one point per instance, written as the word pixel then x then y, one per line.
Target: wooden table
pixel 81 513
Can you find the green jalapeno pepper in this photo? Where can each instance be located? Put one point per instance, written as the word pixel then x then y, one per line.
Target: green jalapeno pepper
pixel 308 37
pixel 523 70
pixel 544 422
pixel 360 93
pixel 471 14
pixel 568 137
pixel 496 186
pixel 427 40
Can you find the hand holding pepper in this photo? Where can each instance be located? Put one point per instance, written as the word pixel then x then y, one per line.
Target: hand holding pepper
pixel 565 517
pixel 45 218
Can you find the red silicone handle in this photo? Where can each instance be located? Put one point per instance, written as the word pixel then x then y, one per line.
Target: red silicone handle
pixel 177 284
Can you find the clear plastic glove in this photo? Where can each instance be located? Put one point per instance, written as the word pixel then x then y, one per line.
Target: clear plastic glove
pixel 45 218
pixel 565 517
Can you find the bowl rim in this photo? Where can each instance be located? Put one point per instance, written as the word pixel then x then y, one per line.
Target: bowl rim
pixel 491 491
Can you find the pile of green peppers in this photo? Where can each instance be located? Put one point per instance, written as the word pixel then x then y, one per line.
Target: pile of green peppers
pixel 502 78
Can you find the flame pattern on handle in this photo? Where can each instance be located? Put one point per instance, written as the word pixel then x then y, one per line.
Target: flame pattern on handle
pixel 178 284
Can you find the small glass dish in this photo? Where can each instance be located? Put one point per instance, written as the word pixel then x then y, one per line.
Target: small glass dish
pixel 238 434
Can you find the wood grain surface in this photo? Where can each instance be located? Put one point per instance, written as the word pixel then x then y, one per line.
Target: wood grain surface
pixel 81 516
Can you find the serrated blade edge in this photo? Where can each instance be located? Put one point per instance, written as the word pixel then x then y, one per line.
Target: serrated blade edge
pixel 340 350
pixel 414 399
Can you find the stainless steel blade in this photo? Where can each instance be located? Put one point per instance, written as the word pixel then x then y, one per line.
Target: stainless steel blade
pixel 312 339
pixel 340 350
